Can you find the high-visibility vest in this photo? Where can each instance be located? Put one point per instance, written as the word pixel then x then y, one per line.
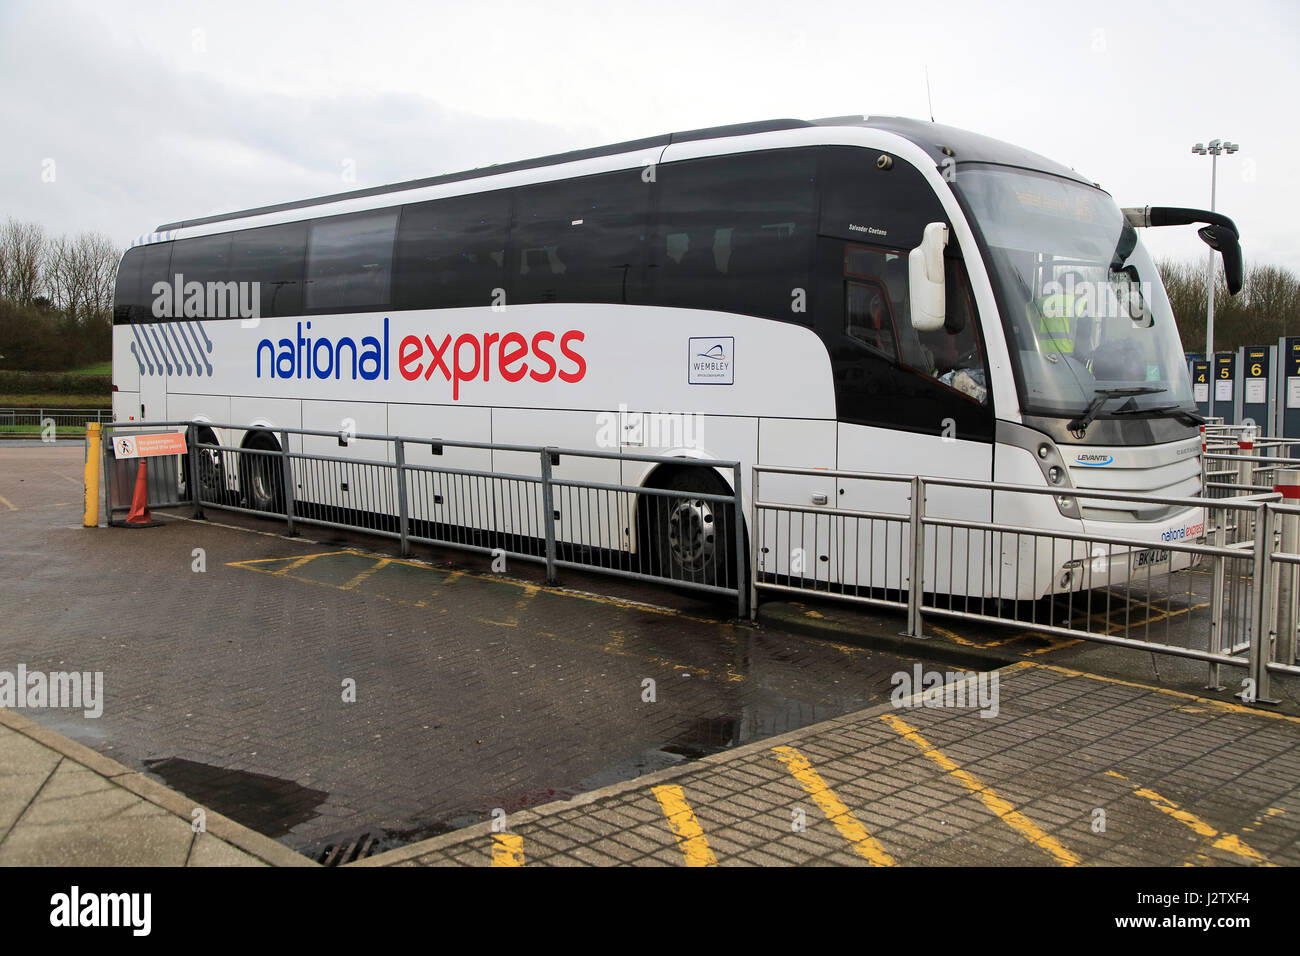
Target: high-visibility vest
pixel 1054 313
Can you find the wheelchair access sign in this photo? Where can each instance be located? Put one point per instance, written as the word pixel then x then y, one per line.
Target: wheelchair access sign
pixel 149 446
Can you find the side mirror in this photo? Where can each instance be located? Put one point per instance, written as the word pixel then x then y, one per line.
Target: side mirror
pixel 925 279
pixel 1224 241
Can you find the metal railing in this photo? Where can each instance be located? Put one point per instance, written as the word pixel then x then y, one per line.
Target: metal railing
pixel 38 422
pixel 917 544
pixel 930 547
pixel 562 507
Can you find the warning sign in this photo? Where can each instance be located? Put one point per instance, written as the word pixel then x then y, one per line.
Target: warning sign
pixel 149 446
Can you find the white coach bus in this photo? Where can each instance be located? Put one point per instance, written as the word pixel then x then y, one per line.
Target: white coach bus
pixel 858 293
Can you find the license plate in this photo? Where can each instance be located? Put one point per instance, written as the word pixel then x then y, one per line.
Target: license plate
pixel 1150 558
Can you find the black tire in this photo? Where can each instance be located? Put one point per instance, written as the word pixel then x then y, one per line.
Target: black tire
pixel 261 477
pixel 693 539
pixel 212 473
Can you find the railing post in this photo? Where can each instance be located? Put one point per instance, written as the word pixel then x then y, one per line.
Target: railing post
pixel 1260 645
pixel 1287 484
pixel 755 536
pixel 915 584
pixel 192 457
pixel 1218 579
pixel 399 457
pixel 286 473
pixel 742 587
pixel 548 509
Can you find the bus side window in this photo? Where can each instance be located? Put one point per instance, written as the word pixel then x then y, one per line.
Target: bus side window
pixel 273 257
pixel 349 261
pixel 737 233
pixel 868 318
pixel 580 240
pixel 954 349
pixel 128 291
pixel 450 251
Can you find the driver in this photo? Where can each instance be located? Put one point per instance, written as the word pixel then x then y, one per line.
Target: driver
pixel 1053 316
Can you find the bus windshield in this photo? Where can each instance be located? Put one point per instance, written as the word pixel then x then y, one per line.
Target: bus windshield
pixel 1084 310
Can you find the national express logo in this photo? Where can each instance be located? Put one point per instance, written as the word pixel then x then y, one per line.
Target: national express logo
pixel 1183 533
pixel 458 360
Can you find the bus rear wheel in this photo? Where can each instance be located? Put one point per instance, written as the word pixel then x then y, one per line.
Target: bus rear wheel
pixel 261 477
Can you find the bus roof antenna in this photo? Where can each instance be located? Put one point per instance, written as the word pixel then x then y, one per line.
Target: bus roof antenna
pixel 928 98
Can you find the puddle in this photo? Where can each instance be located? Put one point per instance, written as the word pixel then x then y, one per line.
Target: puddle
pixel 269 805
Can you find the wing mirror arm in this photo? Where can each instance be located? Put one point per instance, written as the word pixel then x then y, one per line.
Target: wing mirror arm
pixel 1220 234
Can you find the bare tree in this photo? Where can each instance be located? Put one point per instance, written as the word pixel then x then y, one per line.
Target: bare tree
pixel 22 253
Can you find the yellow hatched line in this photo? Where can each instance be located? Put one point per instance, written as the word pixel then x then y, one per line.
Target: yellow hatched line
pixel 863 843
pixel 5 501
pixel 1228 842
pixel 297 563
pixel 690 836
pixel 1000 807
pixel 357 579
pixel 507 849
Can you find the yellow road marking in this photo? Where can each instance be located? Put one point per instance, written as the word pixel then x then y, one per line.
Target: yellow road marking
pixel 5 501
pixel 690 836
pixel 378 566
pixel 1053 644
pixel 530 592
pixel 1209 702
pixel 507 849
pixel 1000 807
pixel 447 576
pixel 863 843
pixel 1228 842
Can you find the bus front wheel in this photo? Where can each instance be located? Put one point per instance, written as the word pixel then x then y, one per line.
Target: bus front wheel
pixel 694 539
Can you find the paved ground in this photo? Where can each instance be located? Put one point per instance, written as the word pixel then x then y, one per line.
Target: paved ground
pixel 62 804
pixel 334 699
pixel 343 701
pixel 1074 770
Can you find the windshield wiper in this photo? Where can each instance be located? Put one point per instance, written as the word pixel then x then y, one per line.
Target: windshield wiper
pixel 1080 425
pixel 1184 416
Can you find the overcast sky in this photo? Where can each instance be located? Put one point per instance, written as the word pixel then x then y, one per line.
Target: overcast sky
pixel 156 111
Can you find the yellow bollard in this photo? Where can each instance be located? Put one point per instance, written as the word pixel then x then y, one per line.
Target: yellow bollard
pixel 92 475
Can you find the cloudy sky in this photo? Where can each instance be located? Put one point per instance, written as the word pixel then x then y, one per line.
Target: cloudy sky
pixel 147 112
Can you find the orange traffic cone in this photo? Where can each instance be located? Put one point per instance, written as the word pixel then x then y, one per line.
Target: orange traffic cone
pixel 140 516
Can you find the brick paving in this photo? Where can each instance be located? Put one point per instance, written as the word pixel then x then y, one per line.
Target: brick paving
pixel 1064 747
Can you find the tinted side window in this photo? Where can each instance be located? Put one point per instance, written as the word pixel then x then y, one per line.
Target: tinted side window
pixel 141 267
pixel 350 262
pixel 451 252
pixel 205 259
pixel 580 240
pixel 868 318
pixel 860 201
pixel 736 232
pixel 126 292
pixel 273 257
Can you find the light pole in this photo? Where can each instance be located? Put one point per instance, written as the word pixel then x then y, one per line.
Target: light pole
pixel 1214 148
